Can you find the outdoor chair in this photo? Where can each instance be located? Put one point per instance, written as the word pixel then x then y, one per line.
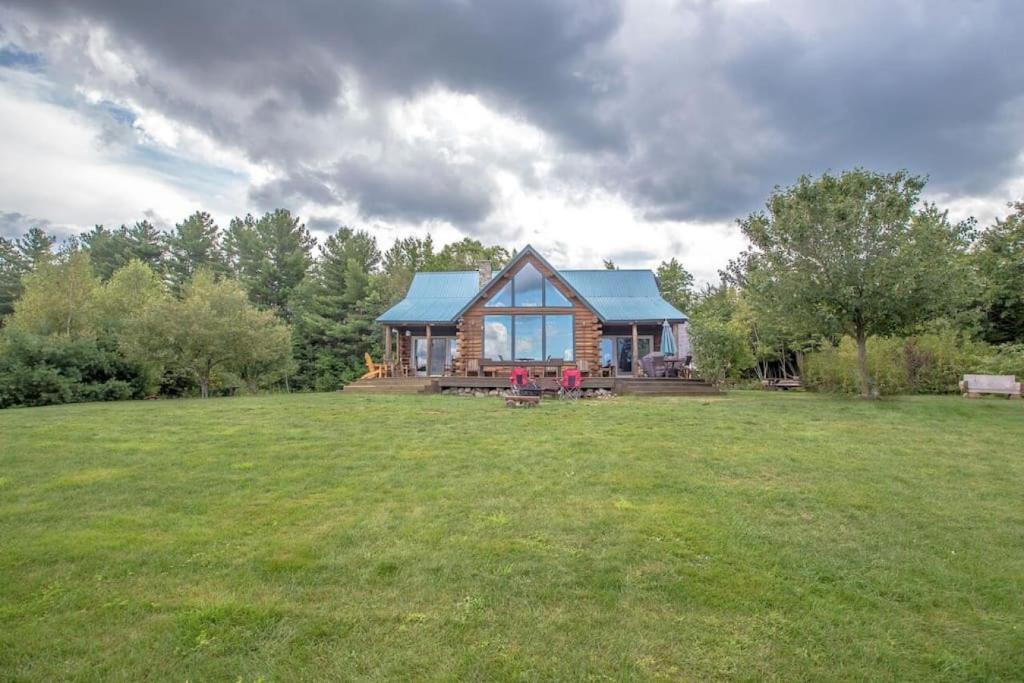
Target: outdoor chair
pixel 473 367
pixel 572 381
pixel 373 370
pixel 519 380
pixel 583 366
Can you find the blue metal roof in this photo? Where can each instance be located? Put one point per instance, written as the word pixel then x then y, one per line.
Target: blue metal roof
pixel 623 295
pixel 615 295
pixel 433 298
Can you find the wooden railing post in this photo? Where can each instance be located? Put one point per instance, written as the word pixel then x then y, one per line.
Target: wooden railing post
pixel 429 354
pixel 636 351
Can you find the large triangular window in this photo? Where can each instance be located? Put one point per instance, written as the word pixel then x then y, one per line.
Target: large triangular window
pixel 528 289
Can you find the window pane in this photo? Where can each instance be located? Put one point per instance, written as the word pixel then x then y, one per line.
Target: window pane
pixel 607 352
pixel 502 298
pixel 420 355
pixel 529 287
pixel 553 297
pixel 498 337
pixel 558 337
pixel 645 344
pixel 529 341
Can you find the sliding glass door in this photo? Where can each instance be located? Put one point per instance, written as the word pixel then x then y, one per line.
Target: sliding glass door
pixel 617 352
pixel 436 360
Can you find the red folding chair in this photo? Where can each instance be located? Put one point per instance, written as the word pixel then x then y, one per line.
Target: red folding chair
pixel 572 379
pixel 519 379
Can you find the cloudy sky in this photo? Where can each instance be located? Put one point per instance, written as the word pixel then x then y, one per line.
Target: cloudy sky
pixel 591 129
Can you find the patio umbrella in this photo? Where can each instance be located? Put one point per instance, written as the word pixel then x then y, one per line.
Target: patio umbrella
pixel 668 340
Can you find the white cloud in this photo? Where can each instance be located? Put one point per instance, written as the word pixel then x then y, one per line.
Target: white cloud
pixel 56 166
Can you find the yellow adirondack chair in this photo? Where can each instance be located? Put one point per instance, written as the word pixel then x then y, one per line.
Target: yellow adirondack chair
pixel 374 370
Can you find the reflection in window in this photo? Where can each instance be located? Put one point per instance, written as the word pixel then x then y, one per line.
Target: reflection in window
pixel 529 338
pixel 553 297
pixel 607 351
pixel 502 299
pixel 529 287
pixel 558 337
pixel 498 337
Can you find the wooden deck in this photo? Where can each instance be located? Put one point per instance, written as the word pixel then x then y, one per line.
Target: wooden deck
pixel 642 386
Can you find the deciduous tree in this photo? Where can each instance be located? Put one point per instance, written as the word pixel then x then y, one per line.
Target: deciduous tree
pixel 213 327
pixel 58 299
pixel 675 284
pixel 854 252
pixel 999 255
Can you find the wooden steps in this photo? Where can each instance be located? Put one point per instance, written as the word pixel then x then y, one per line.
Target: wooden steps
pixel 664 387
pixel 393 385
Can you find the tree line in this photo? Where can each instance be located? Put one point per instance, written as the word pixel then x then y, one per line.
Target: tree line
pixel 136 311
pixel 850 280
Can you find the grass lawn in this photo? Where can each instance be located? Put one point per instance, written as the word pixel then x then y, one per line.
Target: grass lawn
pixel 331 536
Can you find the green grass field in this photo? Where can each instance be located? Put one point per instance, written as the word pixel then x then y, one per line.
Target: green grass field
pixel 331 536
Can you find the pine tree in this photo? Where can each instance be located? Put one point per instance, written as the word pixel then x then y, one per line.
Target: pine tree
pixel 271 256
pixel 334 310
pixel 193 245
pixel 36 247
pixel 147 244
pixel 13 266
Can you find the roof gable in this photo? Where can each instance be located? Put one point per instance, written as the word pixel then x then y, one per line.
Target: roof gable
pixel 496 282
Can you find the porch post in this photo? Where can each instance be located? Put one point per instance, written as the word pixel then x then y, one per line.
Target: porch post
pixel 387 343
pixel 428 351
pixel 636 350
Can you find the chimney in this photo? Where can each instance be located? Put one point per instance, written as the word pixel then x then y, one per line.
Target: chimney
pixel 484 268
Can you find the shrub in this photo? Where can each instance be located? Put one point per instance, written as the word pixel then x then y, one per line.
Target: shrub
pixel 720 349
pixel 1007 359
pixel 40 370
pixel 929 363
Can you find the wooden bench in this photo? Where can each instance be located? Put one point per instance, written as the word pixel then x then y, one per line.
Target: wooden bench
pixel 783 384
pixel 974 386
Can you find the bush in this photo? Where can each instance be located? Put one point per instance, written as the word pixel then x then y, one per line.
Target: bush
pixel 929 363
pixel 1007 359
pixel 720 349
pixel 38 370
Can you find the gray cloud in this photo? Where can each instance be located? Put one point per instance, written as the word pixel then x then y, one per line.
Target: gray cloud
pixel 755 98
pixel 692 112
pixel 14 224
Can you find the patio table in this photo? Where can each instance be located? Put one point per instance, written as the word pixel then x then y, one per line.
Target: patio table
pixel 677 364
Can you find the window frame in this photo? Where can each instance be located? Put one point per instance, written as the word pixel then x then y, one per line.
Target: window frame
pixel 511 285
pixel 543 336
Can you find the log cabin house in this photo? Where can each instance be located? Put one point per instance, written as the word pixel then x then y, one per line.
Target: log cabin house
pixel 456 324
